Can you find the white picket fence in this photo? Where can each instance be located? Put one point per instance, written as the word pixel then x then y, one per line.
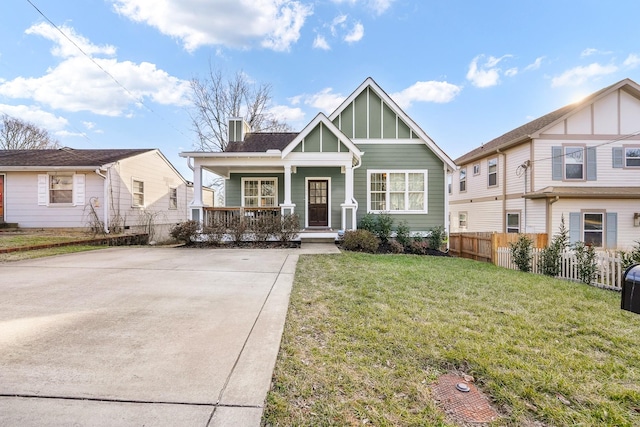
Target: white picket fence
pixel 608 276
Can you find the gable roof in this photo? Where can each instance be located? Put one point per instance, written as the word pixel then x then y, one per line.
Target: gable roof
pixel 533 128
pixel 66 157
pixel 261 142
pixel 370 83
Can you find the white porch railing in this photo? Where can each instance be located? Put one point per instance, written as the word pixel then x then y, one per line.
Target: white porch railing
pixel 608 276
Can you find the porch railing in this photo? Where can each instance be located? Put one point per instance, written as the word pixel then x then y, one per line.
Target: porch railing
pixel 228 216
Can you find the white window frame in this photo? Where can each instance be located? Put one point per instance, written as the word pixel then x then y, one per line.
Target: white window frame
pixel 603 217
pixel 134 193
pixel 387 191
pixel 476 169
pixel 490 163
pixel 50 190
pixel 566 156
pixel 463 217
pixel 507 227
pixel 173 198
pixel 462 174
pixel 627 158
pixel 259 180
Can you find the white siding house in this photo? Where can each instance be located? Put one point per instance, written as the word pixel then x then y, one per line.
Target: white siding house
pixel 116 190
pixel 580 163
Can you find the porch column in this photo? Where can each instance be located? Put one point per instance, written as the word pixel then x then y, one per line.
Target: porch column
pixel 287 207
pixel 349 207
pixel 195 207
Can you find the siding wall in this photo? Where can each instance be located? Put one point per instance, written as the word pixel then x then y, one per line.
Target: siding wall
pixel 403 157
pixel 298 192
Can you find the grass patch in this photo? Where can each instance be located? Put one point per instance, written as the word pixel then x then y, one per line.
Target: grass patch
pixel 20 241
pixel 367 335
pixel 39 253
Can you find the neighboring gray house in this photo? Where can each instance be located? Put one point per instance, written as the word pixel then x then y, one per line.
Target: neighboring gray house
pixel 367 156
pixel 118 189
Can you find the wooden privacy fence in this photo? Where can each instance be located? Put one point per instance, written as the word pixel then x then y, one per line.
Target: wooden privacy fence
pixel 609 267
pixel 484 246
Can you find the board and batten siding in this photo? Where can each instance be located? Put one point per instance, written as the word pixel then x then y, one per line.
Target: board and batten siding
pixel 398 156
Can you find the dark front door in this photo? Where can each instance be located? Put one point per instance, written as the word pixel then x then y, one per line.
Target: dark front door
pixel 318 203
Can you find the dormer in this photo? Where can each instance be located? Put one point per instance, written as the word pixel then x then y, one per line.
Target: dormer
pixel 238 128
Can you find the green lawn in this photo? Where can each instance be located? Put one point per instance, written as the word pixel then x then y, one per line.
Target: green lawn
pixel 367 335
pixel 20 240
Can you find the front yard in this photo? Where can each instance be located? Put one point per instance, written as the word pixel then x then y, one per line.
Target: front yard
pixel 367 336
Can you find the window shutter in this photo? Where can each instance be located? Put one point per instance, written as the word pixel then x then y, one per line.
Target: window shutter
pixel 574 227
pixel 556 164
pixel 78 189
pixel 618 157
pixel 612 230
pixel 592 173
pixel 43 190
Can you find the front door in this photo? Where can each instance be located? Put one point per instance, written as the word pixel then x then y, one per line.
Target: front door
pixel 318 203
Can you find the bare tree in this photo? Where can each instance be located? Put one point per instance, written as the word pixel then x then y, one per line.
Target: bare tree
pixel 17 134
pixel 217 98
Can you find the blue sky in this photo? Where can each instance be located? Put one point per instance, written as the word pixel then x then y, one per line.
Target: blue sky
pixel 465 71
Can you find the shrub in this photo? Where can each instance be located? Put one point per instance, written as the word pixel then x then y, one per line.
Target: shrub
pixel 185 232
pixel 396 247
pixel 288 227
pixel 587 266
pixel 436 237
pixel 215 232
pixel 237 228
pixel 384 225
pixel 419 247
pixel 551 256
pixel 631 257
pixel 265 225
pixel 521 252
pixel 360 240
pixel 368 222
pixel 403 233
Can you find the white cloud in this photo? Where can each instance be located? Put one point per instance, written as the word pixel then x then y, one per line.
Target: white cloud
pixel 579 75
pixel 89 125
pixel 325 100
pixel 275 24
pixel 321 43
pixel 78 84
pixel 535 65
pixel 287 114
pixel 356 34
pixel 377 6
pixel 35 115
pixel 632 61
pixel 63 47
pixel 591 51
pixel 429 91
pixel 511 72
pixel 486 74
pixel 338 22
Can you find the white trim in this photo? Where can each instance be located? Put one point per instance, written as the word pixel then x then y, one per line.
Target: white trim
pixel 258 178
pixel 133 199
pixel 306 198
pixel 405 171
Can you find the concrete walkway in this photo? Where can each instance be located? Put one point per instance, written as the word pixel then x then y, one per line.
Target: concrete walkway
pixel 143 336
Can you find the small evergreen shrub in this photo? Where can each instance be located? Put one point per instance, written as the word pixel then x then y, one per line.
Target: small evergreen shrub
pixel 368 222
pixel 521 252
pixel 551 257
pixel 587 266
pixel 403 234
pixel 631 257
pixel 185 232
pixel 360 241
pixel 436 237
pixel 384 226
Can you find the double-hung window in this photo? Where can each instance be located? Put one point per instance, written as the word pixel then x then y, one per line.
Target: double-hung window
pixel 573 163
pixel 513 222
pixel 462 220
pixel 492 167
pixel 632 157
pixel 259 192
pixel 397 191
pixel 61 189
pixel 593 226
pixel 173 198
pixel 463 180
pixel 137 191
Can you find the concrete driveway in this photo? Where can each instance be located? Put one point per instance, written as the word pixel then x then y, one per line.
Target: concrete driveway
pixel 142 336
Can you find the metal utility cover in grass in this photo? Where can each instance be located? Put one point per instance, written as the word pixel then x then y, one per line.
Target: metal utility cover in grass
pixel 462 407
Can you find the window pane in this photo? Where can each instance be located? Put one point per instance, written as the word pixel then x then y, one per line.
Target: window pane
pixel 493 179
pixel 416 201
pixel 574 162
pixel 397 182
pixel 251 202
pixel 378 182
pixel 378 201
pixel 397 201
pixel 633 157
pixel 138 199
pixel 416 182
pixel 593 222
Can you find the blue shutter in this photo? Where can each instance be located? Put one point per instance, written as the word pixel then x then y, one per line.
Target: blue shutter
pixel 612 230
pixel 575 219
pixel 556 164
pixel 618 157
pixel 591 164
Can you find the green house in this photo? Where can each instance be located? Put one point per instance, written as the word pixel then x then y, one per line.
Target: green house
pixel 368 156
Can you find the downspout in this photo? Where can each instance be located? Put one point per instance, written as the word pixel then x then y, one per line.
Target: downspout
pixel 353 198
pixel 446 203
pixel 105 196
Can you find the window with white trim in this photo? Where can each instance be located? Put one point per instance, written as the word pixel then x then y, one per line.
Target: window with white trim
pixel 61 188
pixel 463 180
pixel 450 183
pixel 397 191
pixel 259 192
pixel 492 168
pixel 573 162
pixel 593 228
pixel 513 222
pixel 173 198
pixel 632 157
pixel 476 169
pixel 137 193
pixel 462 220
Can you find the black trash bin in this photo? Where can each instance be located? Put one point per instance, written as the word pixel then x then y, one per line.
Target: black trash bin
pixel 631 289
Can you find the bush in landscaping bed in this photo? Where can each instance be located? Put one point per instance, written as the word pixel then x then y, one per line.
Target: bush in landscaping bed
pixel 185 232
pixel 361 241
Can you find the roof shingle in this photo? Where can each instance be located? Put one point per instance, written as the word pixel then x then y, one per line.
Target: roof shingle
pixel 66 157
pixel 261 142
